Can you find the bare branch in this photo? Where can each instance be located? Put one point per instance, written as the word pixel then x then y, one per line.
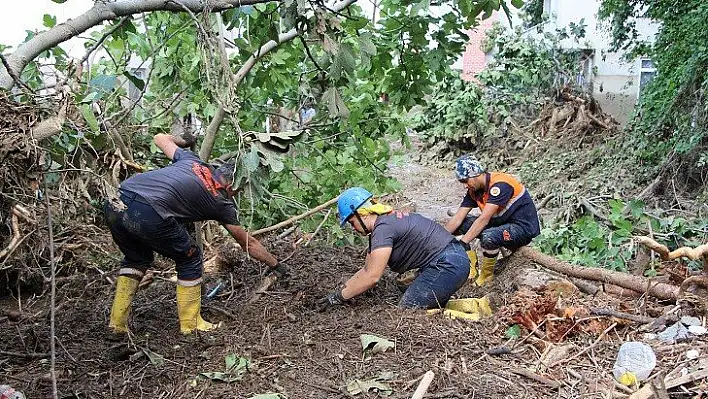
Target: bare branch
pixel 215 123
pixel 100 12
pixel 12 74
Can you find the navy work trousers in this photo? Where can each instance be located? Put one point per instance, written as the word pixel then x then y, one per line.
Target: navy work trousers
pixel 139 231
pixel 439 279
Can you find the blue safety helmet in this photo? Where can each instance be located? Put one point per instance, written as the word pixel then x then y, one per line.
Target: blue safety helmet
pixel 467 166
pixel 351 200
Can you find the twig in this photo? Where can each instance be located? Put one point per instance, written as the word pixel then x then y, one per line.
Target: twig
pixel 424 385
pixel 620 315
pixel 538 378
pixel 13 75
pixel 100 41
pixel 220 310
pixel 15 237
pixel 319 226
pixel 545 201
pixel 582 352
pixel 296 218
pixel 28 355
pixel 52 302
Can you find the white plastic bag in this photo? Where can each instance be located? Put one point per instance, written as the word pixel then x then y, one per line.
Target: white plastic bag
pixel 635 362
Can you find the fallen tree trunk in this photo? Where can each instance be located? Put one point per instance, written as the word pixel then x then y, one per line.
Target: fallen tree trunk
pixel 631 282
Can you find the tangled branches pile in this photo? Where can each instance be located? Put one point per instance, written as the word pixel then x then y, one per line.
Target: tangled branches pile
pixel 28 174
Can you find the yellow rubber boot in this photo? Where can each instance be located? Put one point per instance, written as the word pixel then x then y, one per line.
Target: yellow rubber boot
pixel 472 254
pixel 189 306
pixel 486 272
pixel 125 291
pixel 468 308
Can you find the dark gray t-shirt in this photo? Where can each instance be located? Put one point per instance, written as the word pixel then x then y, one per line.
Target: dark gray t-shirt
pixel 185 190
pixel 415 240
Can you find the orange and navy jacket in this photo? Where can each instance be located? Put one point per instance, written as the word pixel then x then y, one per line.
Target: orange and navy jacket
pixel 502 189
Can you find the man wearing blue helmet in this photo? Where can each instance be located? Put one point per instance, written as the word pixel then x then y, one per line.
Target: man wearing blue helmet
pixel 508 215
pixel 150 217
pixel 403 241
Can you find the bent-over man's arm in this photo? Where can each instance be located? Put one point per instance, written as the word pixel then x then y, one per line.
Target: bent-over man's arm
pixel 453 224
pixel 252 246
pixel 369 275
pixel 168 144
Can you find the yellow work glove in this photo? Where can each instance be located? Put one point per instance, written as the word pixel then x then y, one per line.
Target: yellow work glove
pixel 467 308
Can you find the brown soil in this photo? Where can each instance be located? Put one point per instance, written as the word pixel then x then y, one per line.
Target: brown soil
pixel 296 350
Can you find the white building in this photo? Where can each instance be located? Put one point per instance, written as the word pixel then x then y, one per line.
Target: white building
pixel 614 83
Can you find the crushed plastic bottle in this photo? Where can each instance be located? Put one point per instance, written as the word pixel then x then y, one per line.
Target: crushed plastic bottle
pixel 635 362
pixel 8 392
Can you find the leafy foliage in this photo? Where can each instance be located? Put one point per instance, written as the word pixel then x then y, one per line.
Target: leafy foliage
pixel 608 244
pixel 352 75
pixel 672 116
pixel 526 70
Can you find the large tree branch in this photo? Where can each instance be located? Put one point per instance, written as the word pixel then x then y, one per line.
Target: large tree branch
pixel 100 12
pixel 215 123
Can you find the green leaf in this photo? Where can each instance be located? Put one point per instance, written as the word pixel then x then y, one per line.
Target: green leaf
pixel 374 344
pixel 137 82
pixel 251 160
pixel 155 358
pixel 139 41
pixel 59 1
pixel 366 45
pixel 267 396
pixel 90 118
pixel 273 33
pixel 50 21
pixel 235 363
pixel 417 7
pixel 517 3
pixel 335 104
pixel 346 52
pixel 219 376
pixel 513 331
pixel 358 386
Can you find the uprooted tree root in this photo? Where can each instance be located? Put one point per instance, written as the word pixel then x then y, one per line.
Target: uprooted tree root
pixel 570 115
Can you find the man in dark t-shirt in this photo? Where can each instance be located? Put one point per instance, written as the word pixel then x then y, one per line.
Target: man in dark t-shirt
pixel 403 241
pixel 153 208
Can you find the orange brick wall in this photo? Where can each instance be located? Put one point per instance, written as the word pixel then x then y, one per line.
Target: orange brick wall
pixel 474 60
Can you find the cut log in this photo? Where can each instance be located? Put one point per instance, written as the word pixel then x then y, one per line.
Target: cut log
pixel 658 290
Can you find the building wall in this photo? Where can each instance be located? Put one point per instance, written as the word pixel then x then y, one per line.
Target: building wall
pixel 616 81
pixel 474 60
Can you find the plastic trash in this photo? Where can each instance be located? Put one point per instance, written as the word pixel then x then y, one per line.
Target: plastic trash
pixel 8 392
pixel 673 333
pixel 635 362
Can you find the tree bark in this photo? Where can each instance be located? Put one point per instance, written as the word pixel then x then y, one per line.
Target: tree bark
pixel 658 290
pixel 100 12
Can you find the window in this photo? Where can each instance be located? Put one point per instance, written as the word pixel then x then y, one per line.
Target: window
pixel 647 71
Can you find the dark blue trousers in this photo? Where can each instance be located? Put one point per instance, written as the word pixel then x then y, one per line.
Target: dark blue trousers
pixel 139 231
pixel 439 279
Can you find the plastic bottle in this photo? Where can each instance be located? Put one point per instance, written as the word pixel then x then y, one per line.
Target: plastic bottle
pixel 8 392
pixel 635 362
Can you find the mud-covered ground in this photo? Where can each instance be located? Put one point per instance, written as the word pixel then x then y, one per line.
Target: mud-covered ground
pixel 298 352
pixel 294 350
